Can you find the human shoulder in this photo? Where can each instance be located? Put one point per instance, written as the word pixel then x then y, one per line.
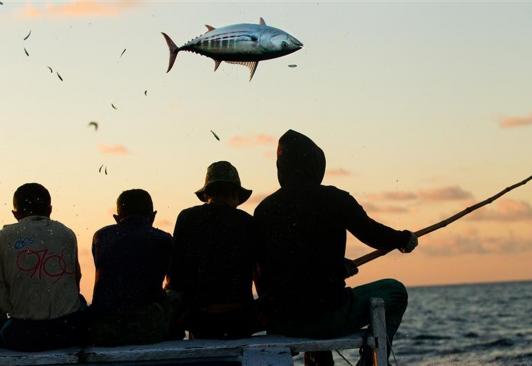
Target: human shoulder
pixel 59 226
pixel 268 201
pixel 160 234
pixel 243 214
pixel 106 230
pixel 192 211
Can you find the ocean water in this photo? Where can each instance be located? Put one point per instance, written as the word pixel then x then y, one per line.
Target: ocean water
pixel 481 324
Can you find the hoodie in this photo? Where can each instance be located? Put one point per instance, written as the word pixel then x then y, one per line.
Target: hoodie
pixel 303 228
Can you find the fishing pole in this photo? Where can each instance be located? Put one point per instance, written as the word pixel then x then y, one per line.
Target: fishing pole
pixel 379 253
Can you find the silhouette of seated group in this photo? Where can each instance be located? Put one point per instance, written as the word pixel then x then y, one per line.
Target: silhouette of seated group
pixel 151 286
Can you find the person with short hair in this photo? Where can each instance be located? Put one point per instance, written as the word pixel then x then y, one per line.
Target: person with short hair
pixel 303 228
pixel 40 276
pixel 214 258
pixel 129 305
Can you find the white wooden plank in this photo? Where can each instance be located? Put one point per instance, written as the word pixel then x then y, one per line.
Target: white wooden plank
pixel 214 348
pixel 60 357
pixel 177 350
pixel 378 325
pixel 271 356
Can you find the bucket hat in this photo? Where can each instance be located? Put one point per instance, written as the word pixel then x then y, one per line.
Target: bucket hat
pixel 223 172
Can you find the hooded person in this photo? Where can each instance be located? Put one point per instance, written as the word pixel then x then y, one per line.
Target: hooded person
pixel 303 228
pixel 214 258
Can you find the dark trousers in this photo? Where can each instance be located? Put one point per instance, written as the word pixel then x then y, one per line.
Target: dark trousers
pixel 41 335
pixel 353 314
pixel 154 322
pixel 237 323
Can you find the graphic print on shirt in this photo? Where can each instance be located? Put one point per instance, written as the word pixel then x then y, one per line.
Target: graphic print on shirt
pixel 41 263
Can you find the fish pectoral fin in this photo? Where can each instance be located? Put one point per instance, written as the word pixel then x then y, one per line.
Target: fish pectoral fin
pixel 209 28
pixel 251 65
pixel 217 64
pixel 261 21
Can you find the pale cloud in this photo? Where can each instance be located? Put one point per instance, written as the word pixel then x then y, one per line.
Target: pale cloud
pixel 471 243
pixel 78 8
pixel 251 141
pixel 451 193
pixel 516 121
pixel 113 149
pixel 337 172
pixel 506 210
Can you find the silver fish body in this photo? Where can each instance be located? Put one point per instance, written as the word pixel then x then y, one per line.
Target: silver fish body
pixel 245 44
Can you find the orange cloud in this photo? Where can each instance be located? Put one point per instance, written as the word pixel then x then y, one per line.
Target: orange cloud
pixel 504 210
pixel 78 8
pixel 164 224
pixel 508 122
pixel 372 208
pixel 250 141
pixel 472 243
pixel 113 149
pixel 445 194
pixel 337 172
pixel 395 196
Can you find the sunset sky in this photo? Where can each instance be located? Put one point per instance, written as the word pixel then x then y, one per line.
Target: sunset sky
pixel 421 108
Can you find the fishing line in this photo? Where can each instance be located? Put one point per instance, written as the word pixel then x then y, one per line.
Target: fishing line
pixel 393 353
pixel 345 359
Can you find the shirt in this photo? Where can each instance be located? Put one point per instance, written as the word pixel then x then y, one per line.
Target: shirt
pixel 131 259
pixel 40 273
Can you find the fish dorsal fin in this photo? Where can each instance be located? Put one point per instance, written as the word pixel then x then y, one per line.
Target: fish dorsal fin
pixel 217 64
pixel 261 21
pixel 251 65
pixel 209 28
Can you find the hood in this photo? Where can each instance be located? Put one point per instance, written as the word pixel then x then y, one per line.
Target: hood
pixel 300 162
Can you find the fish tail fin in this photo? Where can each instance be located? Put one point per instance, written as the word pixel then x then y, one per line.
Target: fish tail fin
pixel 174 50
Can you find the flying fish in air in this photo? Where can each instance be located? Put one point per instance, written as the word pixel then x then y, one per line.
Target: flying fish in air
pixel 28 36
pixel 26 52
pixel 59 76
pixel 93 124
pixel 51 70
pixel 244 44
pixel 215 135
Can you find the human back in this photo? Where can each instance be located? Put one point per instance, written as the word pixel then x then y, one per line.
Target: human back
pixel 39 280
pixel 214 258
pixel 39 260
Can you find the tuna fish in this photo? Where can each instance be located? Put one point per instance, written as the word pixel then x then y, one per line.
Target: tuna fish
pixel 244 44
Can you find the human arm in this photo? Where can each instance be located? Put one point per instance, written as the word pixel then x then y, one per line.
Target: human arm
pixel 371 232
pixel 175 277
pixel 5 305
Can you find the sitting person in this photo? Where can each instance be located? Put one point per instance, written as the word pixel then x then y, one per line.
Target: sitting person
pixel 213 259
pixel 301 259
pixel 39 277
pixel 129 305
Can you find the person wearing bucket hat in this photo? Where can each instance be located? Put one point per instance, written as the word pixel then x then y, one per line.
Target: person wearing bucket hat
pixel 213 258
pixel 303 228
pixel 222 176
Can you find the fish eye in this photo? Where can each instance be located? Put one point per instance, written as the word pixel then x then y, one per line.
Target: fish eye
pixel 284 44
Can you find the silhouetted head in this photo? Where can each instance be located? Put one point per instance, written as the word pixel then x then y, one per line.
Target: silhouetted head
pixel 31 199
pixel 222 185
pixel 134 202
pixel 300 162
